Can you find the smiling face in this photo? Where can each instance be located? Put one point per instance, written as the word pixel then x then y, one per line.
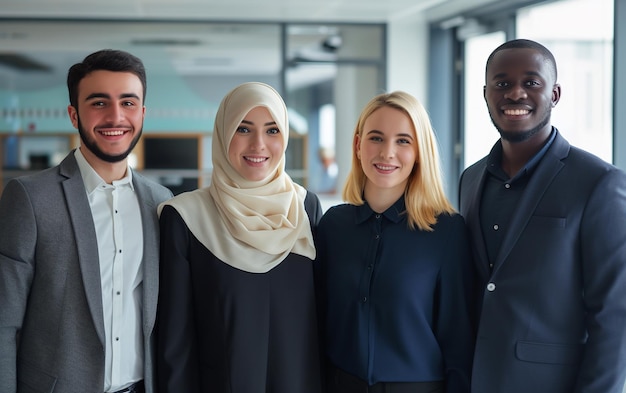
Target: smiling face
pixel 257 145
pixel 109 114
pixel 520 93
pixel 387 150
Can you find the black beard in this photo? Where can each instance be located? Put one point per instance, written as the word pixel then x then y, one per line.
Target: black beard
pixel 516 137
pixel 92 146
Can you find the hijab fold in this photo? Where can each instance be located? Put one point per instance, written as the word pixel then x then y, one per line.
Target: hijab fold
pixel 250 225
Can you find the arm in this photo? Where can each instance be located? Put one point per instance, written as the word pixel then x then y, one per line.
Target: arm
pixel 313 208
pixel 603 256
pixel 177 361
pixel 18 237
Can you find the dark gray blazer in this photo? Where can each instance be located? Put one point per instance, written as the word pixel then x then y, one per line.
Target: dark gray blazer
pixel 554 308
pixel 51 321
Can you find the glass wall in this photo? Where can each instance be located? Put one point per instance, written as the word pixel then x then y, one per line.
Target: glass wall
pixel 190 67
pixel 584 56
pixel 331 72
pixel 480 133
pixel 585 68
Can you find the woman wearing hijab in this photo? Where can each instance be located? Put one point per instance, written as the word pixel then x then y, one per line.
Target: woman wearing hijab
pixel 237 307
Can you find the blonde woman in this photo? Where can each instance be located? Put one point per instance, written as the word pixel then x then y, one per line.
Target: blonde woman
pixel 394 263
pixel 237 302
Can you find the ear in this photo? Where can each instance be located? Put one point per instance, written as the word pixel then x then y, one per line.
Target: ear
pixel 357 146
pixel 556 94
pixel 73 114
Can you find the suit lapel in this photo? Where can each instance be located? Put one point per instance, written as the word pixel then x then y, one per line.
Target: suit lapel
pixel 86 240
pixel 545 173
pixel 150 261
pixel 472 217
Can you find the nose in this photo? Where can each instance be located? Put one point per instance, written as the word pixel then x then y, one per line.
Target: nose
pixel 257 142
pixel 387 150
pixel 115 113
pixel 516 92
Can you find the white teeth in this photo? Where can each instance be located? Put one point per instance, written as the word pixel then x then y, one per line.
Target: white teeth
pixel 516 112
pixel 385 167
pixel 255 159
pixel 112 133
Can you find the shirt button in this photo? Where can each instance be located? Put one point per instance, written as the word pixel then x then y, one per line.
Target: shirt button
pixel 378 216
pixel 491 287
pixel 507 185
pixel 377 237
pixel 496 227
pixel 364 299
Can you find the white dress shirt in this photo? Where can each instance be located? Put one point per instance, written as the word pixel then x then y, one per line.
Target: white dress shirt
pixel 115 211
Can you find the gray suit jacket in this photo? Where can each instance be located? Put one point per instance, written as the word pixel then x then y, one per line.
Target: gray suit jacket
pixel 554 306
pixel 51 318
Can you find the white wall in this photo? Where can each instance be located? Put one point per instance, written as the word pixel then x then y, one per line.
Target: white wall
pixel 407 55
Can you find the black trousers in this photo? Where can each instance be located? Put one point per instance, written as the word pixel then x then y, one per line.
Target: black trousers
pixel 339 381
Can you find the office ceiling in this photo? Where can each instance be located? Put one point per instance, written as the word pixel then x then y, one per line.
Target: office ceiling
pixel 237 10
pixel 33 56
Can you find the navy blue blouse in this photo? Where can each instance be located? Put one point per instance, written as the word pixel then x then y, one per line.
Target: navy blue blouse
pixel 396 303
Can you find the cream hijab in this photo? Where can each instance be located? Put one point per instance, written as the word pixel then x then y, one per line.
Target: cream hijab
pixel 250 225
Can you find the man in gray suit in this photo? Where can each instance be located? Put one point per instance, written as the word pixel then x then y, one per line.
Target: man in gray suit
pixel 547 222
pixel 79 249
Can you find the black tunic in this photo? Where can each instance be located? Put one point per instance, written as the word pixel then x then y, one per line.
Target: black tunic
pixel 224 330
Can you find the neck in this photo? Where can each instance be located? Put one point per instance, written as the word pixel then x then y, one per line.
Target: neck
pixel 380 199
pixel 516 154
pixel 108 171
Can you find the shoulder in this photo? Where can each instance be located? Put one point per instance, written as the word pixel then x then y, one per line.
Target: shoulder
pixel 311 201
pixel 450 219
pixel 44 185
pixel 475 169
pixel 585 163
pixel 579 156
pixel 158 191
pixel 313 208
pixel 583 167
pixel 338 213
pixel 188 200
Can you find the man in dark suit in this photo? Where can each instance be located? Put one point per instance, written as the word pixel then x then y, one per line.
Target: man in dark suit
pixel 548 226
pixel 79 249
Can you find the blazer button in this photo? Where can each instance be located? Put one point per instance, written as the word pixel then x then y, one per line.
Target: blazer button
pixel 491 287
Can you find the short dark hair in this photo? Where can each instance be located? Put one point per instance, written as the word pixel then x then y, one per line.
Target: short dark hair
pixel 107 60
pixel 525 44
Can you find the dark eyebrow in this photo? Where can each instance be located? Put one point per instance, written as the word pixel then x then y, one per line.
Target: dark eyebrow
pixel 97 95
pixel 107 96
pixel 527 73
pixel 271 123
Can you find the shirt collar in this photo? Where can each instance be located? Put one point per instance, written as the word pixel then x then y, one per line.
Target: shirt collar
pixel 395 212
pixel 92 180
pixel 495 157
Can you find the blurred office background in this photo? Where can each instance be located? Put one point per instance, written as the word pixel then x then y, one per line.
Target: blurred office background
pixel 326 57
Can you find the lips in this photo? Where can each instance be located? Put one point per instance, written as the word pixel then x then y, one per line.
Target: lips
pixel 112 132
pixel 255 160
pixel 383 167
pixel 516 112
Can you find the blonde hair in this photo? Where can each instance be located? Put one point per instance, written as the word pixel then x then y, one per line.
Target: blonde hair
pixel 424 195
